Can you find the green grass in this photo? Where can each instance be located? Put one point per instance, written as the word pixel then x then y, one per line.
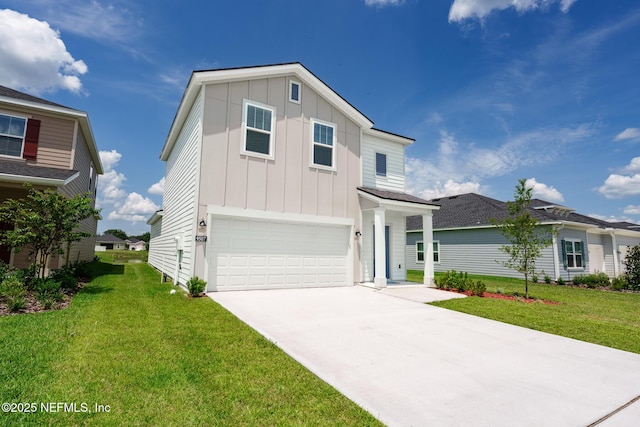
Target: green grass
pixel 597 316
pixel 156 359
pixel 122 256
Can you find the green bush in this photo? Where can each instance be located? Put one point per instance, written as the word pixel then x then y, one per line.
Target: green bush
pixel 453 280
pixel 196 286
pixel 561 281
pixel 534 278
pixel 632 264
pixel 13 291
pixel 478 288
pixel 598 280
pixel 619 283
pixel 547 279
pixel 66 277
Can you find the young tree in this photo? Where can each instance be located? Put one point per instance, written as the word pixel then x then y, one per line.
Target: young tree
pixel 525 236
pixel 44 222
pixel 632 265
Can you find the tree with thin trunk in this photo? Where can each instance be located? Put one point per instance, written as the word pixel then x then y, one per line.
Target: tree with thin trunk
pixel 527 239
pixel 45 222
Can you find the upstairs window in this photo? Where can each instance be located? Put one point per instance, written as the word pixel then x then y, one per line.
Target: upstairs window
pixel 12 134
pixel 259 124
pixel 381 164
pixel 323 142
pixel 294 91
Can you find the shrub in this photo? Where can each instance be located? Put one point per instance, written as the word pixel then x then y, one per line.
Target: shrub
pixel 196 286
pixel 547 279
pixel 453 280
pixel 13 291
pixel 478 288
pixel 561 281
pixel 66 277
pixel 48 292
pixel 534 278
pixel 632 265
pixel 619 283
pixel 592 280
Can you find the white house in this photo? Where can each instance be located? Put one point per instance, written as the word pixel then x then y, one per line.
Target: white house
pixel 273 180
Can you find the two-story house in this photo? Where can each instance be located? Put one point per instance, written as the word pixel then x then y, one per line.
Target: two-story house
pixel 49 146
pixel 273 180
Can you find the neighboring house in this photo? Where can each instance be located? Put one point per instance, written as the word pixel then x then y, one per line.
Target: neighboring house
pixel 134 244
pixel 49 146
pixel 465 239
pixel 108 242
pixel 273 180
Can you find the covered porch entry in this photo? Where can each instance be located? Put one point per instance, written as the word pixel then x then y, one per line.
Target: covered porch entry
pixel 383 235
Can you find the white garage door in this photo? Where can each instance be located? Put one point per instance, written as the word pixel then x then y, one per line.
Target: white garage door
pixel 261 254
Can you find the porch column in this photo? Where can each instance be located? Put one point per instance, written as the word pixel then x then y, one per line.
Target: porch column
pixel 427 239
pixel 556 255
pixel 616 258
pixel 380 272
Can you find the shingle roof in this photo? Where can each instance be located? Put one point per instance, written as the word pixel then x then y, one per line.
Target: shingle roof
pixel 23 169
pixel 12 93
pixel 108 238
pixel 473 210
pixel 396 196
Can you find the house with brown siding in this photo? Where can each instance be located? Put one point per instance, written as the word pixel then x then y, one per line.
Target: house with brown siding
pixel 49 146
pixel 273 180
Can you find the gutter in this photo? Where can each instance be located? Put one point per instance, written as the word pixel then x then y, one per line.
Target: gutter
pixel 51 182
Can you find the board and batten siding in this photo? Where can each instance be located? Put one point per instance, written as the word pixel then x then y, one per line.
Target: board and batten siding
pixel 179 201
pixel 394 181
pixel 288 183
pixel 397 267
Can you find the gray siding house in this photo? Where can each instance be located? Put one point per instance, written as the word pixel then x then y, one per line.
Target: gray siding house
pixel 465 239
pixel 273 180
pixel 49 146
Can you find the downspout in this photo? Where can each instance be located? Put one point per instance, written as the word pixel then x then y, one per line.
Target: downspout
pixel 614 249
pixel 556 256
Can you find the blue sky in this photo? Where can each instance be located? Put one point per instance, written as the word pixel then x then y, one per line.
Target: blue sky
pixel 492 90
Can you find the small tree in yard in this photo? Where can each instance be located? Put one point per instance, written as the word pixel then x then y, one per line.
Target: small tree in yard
pixel 44 222
pixel 632 264
pixel 526 239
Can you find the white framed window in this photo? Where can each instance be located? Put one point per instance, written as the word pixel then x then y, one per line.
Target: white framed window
pixel 258 129
pixel 381 164
pixel 573 253
pixel 295 91
pixel 420 251
pixel 12 134
pixel 90 177
pixel 323 143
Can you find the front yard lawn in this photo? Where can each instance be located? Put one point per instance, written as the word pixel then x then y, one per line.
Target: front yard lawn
pixel 597 316
pixel 151 358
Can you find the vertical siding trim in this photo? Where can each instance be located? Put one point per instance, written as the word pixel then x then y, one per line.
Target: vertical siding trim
pixel 74 144
pixel 197 178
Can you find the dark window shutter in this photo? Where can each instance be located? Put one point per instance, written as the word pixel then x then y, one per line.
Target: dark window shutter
pixel 31 139
pixel 583 257
pixel 564 253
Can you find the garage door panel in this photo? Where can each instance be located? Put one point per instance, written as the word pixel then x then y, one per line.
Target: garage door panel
pixel 258 254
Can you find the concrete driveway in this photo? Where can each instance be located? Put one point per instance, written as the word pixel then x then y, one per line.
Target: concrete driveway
pixel 411 364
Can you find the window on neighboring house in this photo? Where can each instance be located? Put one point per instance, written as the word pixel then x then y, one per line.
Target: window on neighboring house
pixel 323 143
pixel 381 164
pixel 420 252
pixel 573 253
pixel 12 134
pixel 90 177
pixel 259 123
pixel 294 91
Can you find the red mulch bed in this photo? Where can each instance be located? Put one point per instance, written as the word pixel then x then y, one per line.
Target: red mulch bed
pixel 508 297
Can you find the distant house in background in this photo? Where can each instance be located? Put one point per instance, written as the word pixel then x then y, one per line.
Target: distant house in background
pixel 108 242
pixel 465 239
pixel 134 244
pixel 48 146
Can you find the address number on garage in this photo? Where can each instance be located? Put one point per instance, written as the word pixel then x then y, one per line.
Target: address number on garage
pixel 201 238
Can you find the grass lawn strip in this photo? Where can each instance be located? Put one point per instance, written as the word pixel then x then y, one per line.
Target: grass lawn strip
pixel 597 316
pixel 157 359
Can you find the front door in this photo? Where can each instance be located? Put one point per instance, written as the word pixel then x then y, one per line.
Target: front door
pixel 386 250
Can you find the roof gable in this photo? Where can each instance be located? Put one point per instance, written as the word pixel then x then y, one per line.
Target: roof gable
pixel 203 77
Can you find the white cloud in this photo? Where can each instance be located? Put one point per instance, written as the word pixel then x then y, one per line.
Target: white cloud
pixel 109 159
pixel 157 188
pixel 382 3
pixel 450 188
pixel 466 9
pixel 619 186
pixel 632 210
pixel 544 192
pixel 628 133
pixel 134 208
pixel 465 164
pixel 633 166
pixel 611 218
pixel 34 57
